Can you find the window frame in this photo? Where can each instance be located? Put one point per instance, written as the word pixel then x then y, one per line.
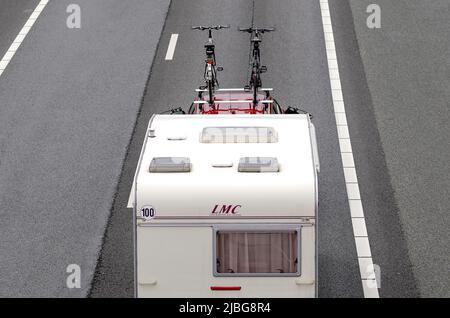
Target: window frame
pixel 269 228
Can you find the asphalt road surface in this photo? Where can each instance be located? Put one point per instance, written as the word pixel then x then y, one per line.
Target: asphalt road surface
pixel 75 104
pixel 68 103
pixel 13 15
pixel 407 67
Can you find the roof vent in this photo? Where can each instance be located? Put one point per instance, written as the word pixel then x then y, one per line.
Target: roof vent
pixel 222 164
pixel 258 164
pixel 176 138
pixel 170 164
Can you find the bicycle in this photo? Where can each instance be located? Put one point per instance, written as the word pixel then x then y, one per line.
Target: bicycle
pixel 210 73
pixel 257 69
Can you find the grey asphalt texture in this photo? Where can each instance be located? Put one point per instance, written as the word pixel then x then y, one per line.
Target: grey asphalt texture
pixel 388 246
pixel 68 105
pixel 407 67
pixel 13 15
pixel 296 58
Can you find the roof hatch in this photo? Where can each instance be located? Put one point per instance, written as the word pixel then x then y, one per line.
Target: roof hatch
pixel 238 135
pixel 170 164
pixel 258 164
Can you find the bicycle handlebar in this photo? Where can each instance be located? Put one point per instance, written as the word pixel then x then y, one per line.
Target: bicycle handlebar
pixel 210 27
pixel 259 30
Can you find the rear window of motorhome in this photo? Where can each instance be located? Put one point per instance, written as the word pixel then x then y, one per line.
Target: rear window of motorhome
pixel 257 253
pixel 238 135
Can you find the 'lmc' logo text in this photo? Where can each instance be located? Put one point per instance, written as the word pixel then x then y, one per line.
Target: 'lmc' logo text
pixel 226 209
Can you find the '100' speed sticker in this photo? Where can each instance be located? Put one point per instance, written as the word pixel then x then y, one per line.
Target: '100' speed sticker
pixel 147 212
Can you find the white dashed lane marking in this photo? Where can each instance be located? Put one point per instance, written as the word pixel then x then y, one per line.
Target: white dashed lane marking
pixel 368 277
pixel 21 36
pixel 171 48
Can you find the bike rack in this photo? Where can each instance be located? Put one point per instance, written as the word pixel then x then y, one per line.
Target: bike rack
pixel 231 101
pixel 235 90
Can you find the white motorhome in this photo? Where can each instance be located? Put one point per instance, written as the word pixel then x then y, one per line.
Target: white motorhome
pixel 226 206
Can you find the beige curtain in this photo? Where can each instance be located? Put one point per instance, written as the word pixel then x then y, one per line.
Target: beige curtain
pixel 253 252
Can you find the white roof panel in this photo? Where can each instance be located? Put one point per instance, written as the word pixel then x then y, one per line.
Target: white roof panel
pixel 214 179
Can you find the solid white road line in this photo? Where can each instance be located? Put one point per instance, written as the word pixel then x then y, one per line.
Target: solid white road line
pixel 368 277
pixel 21 36
pixel 171 48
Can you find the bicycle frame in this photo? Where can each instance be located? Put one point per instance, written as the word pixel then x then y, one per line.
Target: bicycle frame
pixel 257 68
pixel 210 72
pixel 255 79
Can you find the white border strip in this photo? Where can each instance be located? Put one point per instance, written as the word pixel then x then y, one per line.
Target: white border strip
pixel 171 48
pixel 21 36
pixel 366 268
